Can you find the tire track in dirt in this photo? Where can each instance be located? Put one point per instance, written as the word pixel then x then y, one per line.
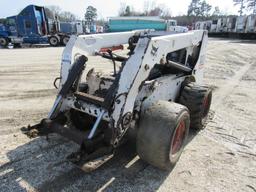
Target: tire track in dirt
pixel 224 128
pixel 225 90
pixel 29 94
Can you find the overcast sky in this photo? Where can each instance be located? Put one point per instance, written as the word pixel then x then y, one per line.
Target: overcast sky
pixel 106 8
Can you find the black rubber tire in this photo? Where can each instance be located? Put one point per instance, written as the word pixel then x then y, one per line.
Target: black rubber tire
pixel 64 40
pixel 54 41
pixel 3 42
pixel 157 128
pixel 193 96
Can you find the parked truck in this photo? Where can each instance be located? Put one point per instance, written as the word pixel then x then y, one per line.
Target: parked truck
pixel 33 26
pixel 59 32
pixel 251 24
pixel 242 27
pixel 121 24
pixel 29 26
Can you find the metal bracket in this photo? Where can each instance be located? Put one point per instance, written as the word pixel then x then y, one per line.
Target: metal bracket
pixel 96 124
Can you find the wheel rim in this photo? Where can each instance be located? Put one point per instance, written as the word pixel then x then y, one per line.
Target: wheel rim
pixel 53 41
pixel 178 138
pixel 65 40
pixel 2 42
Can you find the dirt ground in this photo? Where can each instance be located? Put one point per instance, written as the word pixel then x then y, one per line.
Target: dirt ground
pixel 220 158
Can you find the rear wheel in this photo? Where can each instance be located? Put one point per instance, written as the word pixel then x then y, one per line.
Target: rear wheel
pixel 197 99
pixel 54 41
pixel 65 40
pixel 3 42
pixel 162 134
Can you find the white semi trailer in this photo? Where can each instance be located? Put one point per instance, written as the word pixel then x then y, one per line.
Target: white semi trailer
pixel 243 27
pixel 251 24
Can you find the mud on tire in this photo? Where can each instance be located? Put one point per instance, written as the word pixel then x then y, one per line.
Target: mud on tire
pixel 162 134
pixel 197 99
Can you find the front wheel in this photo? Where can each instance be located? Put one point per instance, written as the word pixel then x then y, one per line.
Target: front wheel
pixel 163 131
pixel 3 42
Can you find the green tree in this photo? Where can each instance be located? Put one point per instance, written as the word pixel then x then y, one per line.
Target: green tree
pixel 55 12
pixel 252 5
pixel 157 11
pixel 122 9
pixel 199 8
pixel 127 11
pixel 150 9
pixel 194 8
pixel 91 14
pixel 67 16
pixel 205 9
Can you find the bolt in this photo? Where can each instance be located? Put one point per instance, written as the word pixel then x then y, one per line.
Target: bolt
pixel 146 67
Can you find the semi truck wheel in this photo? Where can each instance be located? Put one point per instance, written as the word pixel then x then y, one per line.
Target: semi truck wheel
pixel 54 41
pixel 65 40
pixel 163 131
pixel 197 99
pixel 3 42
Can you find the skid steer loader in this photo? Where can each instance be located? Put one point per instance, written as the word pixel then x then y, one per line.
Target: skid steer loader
pixel 156 91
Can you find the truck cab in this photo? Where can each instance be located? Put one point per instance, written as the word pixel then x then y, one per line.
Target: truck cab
pixel 9 33
pixel 171 25
pixel 29 26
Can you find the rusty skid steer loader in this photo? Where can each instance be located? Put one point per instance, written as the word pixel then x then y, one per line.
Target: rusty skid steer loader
pixel 156 91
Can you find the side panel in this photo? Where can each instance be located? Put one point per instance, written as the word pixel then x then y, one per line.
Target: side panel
pixel 135 24
pixel 166 88
pixel 198 71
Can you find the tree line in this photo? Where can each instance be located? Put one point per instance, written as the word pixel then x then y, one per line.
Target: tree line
pixel 54 12
pixel 249 5
pixel 150 9
pixel 197 10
